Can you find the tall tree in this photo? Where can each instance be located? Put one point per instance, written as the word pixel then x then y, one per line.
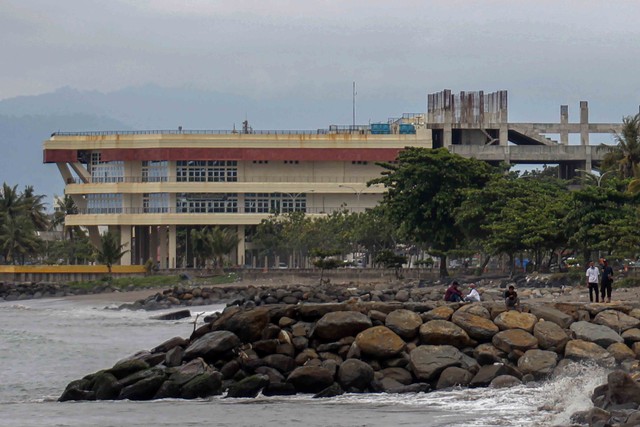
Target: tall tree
pixel 222 241
pixel 34 208
pixel 424 188
pixel 626 153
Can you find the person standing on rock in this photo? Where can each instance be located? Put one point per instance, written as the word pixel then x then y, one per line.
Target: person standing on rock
pixel 593 274
pixel 453 294
pixel 606 281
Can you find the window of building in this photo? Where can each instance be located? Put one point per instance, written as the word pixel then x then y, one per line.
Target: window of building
pixel 105 171
pixel 291 162
pixel 261 162
pixel 155 202
pixel 359 162
pixel 207 203
pixel 207 171
pixel 104 203
pixel 275 202
pixel 155 171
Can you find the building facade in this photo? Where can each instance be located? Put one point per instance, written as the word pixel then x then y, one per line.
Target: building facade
pixel 152 187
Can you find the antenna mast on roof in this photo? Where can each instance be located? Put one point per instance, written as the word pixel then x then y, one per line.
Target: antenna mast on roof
pixel 354 104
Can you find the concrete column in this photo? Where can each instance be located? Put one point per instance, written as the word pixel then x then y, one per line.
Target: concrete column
pixel 153 244
pixel 125 239
pixel 584 123
pixel 162 240
pixel 241 246
pixel 589 159
pixel 564 123
pixel 503 136
pixel 172 246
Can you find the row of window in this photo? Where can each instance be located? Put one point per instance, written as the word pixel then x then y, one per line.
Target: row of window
pixel 203 203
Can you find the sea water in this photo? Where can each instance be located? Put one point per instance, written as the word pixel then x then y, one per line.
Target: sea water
pixel 45 344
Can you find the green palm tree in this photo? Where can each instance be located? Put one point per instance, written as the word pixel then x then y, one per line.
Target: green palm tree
pixel 626 153
pixel 110 251
pixel 223 241
pixel 201 245
pixel 18 239
pixel 10 200
pixel 34 207
pixel 66 206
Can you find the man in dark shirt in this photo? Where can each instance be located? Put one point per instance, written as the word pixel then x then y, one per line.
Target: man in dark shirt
pixel 606 281
pixel 453 294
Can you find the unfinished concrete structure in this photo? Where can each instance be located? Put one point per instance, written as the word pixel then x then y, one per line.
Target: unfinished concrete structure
pixel 475 124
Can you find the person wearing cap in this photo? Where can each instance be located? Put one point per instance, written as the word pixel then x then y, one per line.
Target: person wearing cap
pixel 453 294
pixel 511 300
pixel 473 296
pixel 606 280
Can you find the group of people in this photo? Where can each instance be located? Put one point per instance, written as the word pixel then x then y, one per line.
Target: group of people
pixel 454 294
pixel 604 278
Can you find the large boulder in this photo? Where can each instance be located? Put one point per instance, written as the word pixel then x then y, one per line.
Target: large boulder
pixel 621 389
pixel 477 309
pixel 550 336
pixel 551 314
pixel 621 352
pixel 454 376
pixel 247 325
pixel 211 345
pixel 248 387
pixel 488 354
pixel 280 362
pixel 403 322
pixel 439 313
pixel 106 386
pixel 339 324
pixel 400 375
pixel 354 373
pixel 379 342
pixel 189 371
pixel 127 367
pixel 513 319
pixel 631 335
pixel 488 373
pixel 504 381
pixel 539 363
pixel 144 389
pixel 428 361
pixel 203 385
pixel 514 339
pixel 602 335
pixel 616 320
pixel 580 350
pixel 443 332
pixel 310 379
pixel 477 327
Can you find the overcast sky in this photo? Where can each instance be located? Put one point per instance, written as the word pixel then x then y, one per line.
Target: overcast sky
pixel 544 52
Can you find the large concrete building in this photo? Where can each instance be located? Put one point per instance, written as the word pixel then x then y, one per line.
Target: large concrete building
pixel 153 186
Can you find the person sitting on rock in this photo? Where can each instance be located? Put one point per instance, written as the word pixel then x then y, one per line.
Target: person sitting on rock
pixel 474 295
pixel 511 299
pixel 453 294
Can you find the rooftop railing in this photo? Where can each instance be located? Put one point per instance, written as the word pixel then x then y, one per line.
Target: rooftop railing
pixel 219 211
pixel 265 179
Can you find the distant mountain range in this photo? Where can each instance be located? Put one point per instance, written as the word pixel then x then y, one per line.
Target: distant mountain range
pixel 26 121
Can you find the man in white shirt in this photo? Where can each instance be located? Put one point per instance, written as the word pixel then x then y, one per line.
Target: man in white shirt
pixel 473 296
pixel 593 275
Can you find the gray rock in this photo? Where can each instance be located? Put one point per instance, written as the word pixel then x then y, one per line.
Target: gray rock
pixel 550 336
pixel 355 373
pixel 203 385
pixel 551 314
pixel 428 361
pixel 616 320
pixel 454 376
pixel 310 379
pixel 332 391
pixel 505 381
pixel 211 345
pixel 539 363
pixel 335 325
pixel 599 334
pixel 248 387
pixel 404 323
pixel 488 373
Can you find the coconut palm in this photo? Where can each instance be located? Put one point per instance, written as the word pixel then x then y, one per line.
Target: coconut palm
pixel 34 208
pixel 223 241
pixel 110 250
pixel 626 153
pixel 17 239
pixel 10 200
pixel 66 206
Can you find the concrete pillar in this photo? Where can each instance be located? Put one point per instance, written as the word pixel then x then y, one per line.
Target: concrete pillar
pixel 564 124
pixel 589 159
pixel 162 240
pixel 125 239
pixel 584 123
pixel 448 119
pixel 503 136
pixel 172 246
pixel 241 246
pixel 153 243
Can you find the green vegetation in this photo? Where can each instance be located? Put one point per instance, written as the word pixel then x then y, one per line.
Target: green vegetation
pixel 110 251
pixel 158 281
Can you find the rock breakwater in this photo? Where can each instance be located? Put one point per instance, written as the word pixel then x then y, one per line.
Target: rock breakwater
pixel 359 347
